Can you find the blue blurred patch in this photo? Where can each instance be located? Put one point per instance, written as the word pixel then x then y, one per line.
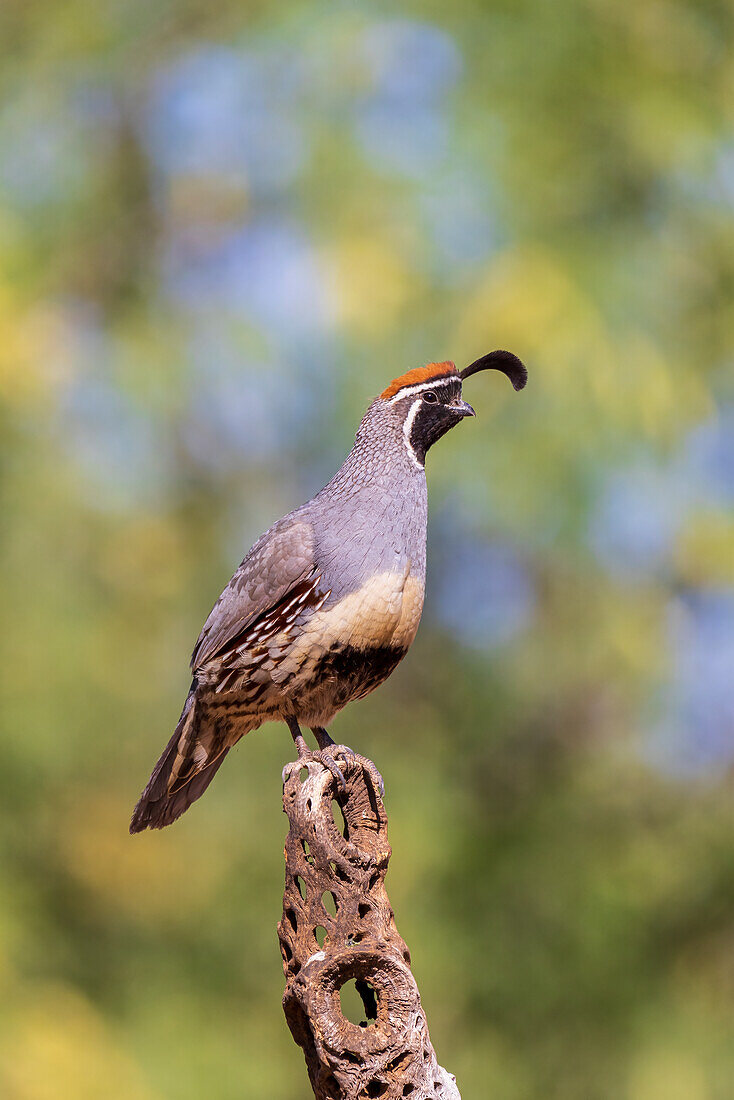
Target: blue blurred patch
pixel 637 515
pixel 693 729
pixel 458 219
pixel 224 111
pixel 639 511
pixel 265 271
pixel 481 591
pixel 709 454
pixel 243 410
pixel 111 439
pixel 401 121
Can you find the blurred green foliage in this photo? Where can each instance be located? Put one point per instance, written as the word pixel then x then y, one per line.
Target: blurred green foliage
pixel 223 228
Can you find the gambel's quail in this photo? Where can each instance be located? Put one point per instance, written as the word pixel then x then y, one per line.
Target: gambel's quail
pixel 326 603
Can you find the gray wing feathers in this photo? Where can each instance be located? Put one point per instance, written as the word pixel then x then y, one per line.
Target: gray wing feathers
pixel 280 559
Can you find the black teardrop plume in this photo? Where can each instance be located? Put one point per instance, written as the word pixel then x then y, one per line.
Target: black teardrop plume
pixel 505 361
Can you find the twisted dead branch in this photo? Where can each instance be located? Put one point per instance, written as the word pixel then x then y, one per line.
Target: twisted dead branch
pixel 337 928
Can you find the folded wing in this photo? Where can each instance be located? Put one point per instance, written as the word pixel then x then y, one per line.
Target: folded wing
pixel 279 561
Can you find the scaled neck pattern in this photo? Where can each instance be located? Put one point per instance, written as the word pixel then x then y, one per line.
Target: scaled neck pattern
pixel 382 459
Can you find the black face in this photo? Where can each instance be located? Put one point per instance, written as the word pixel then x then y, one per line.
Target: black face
pixel 434 411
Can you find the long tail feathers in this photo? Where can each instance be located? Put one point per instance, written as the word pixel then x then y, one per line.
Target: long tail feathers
pixel 182 774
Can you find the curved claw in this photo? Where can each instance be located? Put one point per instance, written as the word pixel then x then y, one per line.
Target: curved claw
pixel 343 750
pixel 327 759
pixel 293 766
pixel 352 758
pixel 377 779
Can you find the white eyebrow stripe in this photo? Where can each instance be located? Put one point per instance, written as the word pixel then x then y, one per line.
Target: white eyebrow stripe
pixel 441 380
pixel 407 428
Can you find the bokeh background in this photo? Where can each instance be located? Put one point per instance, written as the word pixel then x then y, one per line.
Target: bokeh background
pixel 223 228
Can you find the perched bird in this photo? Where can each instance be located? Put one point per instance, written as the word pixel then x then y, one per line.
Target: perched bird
pixel 326 603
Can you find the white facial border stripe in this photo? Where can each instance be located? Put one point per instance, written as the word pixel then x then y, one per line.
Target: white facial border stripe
pixel 407 429
pixel 440 380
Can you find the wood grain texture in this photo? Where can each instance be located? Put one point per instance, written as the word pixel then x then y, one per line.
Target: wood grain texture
pixel 391 1056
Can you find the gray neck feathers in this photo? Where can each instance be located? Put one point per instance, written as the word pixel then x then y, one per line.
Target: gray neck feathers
pixel 379 461
pixel 377 502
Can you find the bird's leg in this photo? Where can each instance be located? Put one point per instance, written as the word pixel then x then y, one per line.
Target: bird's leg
pixel 327 742
pixel 298 739
pixel 327 745
pixel 305 754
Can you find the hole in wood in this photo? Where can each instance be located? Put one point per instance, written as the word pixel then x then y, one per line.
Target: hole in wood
pixel 339 819
pixel 320 933
pixel 301 886
pixel 376 1088
pixel 363 909
pixel 303 774
pixel 397 1062
pixel 328 900
pixel 307 851
pixel 369 997
pixel 358 1002
pixel 407 1089
pixel 290 916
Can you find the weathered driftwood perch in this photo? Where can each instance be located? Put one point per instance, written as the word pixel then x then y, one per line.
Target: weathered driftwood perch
pixel 330 866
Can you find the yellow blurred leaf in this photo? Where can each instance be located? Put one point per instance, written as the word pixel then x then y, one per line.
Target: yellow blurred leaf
pixel 667 1075
pixel 58 1048
pixel 369 283
pixel 34 350
pixel 704 553
pixel 150 877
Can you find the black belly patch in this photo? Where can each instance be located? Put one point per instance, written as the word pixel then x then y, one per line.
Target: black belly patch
pixel 356 672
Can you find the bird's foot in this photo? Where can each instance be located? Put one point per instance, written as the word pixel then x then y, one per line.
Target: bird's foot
pixel 354 758
pixel 328 758
pixel 321 756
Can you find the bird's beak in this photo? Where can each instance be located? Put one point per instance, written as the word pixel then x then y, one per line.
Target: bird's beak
pixel 463 408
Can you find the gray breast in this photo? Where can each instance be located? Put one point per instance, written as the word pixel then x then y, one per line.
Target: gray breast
pixel 377 527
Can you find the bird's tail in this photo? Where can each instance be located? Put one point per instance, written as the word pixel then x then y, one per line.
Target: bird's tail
pixel 189 762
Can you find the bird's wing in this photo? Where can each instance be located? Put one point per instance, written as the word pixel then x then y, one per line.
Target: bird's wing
pixel 278 561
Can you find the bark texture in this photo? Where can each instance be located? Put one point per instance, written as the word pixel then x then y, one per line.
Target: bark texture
pixel 338 927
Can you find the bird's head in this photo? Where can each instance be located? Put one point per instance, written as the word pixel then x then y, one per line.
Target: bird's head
pixel 427 402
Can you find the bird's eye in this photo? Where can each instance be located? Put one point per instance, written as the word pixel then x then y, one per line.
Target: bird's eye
pixel 430 397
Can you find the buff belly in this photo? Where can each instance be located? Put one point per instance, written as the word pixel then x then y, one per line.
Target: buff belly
pixel 341 652
pixel 350 647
